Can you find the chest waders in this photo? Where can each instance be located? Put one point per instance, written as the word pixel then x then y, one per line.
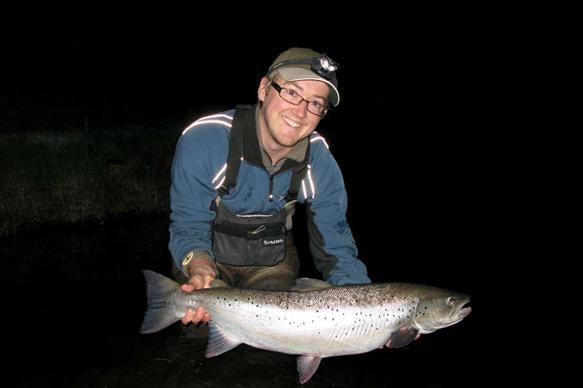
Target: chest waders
pixel 252 239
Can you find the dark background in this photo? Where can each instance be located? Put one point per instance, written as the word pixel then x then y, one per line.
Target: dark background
pixel 417 135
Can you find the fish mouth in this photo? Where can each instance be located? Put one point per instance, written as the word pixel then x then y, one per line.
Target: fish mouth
pixel 464 312
pixel 456 316
pixel 461 313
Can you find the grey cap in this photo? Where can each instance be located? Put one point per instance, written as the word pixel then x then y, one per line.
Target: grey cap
pixel 298 64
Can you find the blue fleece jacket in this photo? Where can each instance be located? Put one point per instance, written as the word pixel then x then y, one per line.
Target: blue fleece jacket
pixel 198 170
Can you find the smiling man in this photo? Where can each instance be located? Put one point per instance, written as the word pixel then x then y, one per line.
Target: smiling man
pixel 237 175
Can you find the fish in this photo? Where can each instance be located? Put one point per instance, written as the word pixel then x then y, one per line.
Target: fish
pixel 314 320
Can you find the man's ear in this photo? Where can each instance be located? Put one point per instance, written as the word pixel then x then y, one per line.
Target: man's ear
pixel 262 90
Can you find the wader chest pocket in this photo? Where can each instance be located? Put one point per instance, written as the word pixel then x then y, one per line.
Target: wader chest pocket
pixel 248 240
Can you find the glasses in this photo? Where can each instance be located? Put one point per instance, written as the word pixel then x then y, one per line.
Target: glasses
pixel 314 106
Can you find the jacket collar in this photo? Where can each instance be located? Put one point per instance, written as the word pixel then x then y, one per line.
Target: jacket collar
pixel 252 149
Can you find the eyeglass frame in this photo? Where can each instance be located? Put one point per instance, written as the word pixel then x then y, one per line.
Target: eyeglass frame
pixel 278 88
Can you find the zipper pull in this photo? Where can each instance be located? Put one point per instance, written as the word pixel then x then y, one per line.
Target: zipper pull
pixel 270 194
pixel 260 229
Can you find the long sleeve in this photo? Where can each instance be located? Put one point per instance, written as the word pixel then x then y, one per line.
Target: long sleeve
pixel 331 242
pixel 198 157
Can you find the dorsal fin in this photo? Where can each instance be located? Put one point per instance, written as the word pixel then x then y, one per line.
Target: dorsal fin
pixel 309 284
pixel 217 283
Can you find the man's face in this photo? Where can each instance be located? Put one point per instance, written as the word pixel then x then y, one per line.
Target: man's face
pixel 283 124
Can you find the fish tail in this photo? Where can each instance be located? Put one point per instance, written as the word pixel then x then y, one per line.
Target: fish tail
pixel 160 314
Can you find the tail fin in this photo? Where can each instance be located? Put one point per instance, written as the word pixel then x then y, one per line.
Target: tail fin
pixel 160 313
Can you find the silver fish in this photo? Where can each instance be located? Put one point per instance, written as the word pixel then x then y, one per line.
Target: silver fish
pixel 315 323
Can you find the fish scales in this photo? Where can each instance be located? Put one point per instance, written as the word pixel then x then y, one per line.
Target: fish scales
pixel 341 320
pixel 313 324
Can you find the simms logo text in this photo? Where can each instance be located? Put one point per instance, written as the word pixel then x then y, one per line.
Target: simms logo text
pixel 276 241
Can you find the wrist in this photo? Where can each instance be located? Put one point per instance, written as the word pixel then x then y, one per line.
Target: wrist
pixel 198 262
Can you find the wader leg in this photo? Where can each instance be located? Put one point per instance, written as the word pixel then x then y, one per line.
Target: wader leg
pixel 281 276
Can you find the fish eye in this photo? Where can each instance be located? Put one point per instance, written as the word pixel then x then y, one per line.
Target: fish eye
pixel 451 301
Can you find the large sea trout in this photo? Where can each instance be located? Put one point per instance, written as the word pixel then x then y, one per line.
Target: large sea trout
pixel 314 323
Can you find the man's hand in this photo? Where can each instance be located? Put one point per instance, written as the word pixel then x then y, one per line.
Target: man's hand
pixel 201 273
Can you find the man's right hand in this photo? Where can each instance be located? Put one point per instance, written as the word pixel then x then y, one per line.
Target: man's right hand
pixel 201 273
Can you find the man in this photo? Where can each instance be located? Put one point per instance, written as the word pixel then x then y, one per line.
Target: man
pixel 236 177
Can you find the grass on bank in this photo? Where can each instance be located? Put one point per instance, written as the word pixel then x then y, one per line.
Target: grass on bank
pixel 76 175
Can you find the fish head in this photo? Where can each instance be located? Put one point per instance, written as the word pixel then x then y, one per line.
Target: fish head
pixel 439 309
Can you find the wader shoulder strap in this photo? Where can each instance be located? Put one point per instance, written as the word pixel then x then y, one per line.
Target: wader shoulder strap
pixel 296 180
pixel 235 150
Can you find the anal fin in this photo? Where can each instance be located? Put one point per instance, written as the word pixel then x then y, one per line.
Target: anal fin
pixel 219 341
pixel 307 366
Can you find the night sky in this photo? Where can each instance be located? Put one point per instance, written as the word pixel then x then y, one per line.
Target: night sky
pixel 414 133
pixel 417 134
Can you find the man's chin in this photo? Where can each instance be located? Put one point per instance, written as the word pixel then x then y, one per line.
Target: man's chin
pixel 287 142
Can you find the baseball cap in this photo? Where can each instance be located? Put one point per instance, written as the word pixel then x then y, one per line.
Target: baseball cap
pixel 298 64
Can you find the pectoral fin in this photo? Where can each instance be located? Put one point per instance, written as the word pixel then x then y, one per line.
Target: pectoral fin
pixel 402 337
pixel 307 366
pixel 219 341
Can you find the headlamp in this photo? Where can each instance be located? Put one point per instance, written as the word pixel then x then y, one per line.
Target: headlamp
pixel 322 65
